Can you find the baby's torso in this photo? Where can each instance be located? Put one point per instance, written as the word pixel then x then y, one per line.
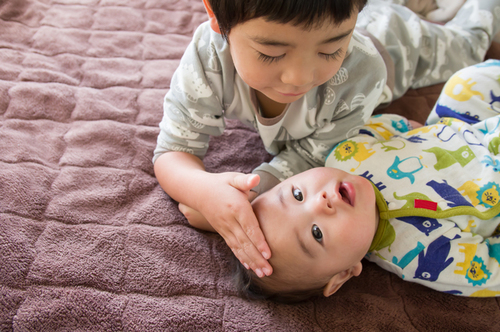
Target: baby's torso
pixel 438 186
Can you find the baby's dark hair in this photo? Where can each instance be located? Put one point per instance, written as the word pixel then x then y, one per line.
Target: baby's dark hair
pixel 250 286
pixel 307 13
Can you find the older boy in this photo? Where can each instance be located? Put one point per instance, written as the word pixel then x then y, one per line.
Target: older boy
pixel 300 74
pixel 424 203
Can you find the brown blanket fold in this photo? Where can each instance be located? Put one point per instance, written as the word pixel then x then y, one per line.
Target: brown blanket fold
pixel 88 239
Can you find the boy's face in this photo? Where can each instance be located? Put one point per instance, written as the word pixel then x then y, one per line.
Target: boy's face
pixel 318 223
pixel 283 61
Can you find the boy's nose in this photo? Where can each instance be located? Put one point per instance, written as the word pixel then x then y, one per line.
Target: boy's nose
pixel 324 203
pixel 298 75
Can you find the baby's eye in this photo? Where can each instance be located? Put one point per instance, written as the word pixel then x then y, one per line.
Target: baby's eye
pixel 317 234
pixel 297 194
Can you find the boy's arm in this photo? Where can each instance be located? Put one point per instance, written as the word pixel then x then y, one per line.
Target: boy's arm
pixel 219 199
pixel 193 112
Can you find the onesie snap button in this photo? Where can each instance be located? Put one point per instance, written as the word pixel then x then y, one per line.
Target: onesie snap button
pixel 443 205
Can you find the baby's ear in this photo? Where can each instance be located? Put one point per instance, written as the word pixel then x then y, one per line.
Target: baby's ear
pixel 340 278
pixel 213 21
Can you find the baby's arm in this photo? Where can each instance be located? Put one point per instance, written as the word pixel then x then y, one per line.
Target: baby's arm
pixel 218 198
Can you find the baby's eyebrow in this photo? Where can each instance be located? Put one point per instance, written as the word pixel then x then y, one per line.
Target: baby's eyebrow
pixel 304 247
pixel 281 197
pixel 299 238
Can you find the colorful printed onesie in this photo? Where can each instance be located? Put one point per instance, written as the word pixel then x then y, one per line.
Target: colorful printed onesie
pixel 206 89
pixel 437 187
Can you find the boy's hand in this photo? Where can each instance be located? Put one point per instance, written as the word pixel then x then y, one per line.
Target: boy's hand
pixel 222 199
pixel 229 213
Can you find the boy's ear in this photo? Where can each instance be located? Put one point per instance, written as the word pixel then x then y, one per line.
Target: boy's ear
pixel 213 21
pixel 340 278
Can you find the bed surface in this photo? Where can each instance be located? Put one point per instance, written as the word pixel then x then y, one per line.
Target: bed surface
pixel 88 239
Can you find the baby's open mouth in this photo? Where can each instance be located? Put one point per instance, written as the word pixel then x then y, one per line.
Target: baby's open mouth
pixel 345 194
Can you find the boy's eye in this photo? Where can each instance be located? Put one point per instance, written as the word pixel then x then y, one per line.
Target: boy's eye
pixel 333 56
pixel 270 59
pixel 297 194
pixel 317 234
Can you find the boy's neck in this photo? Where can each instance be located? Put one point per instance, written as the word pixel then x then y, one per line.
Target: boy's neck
pixel 268 107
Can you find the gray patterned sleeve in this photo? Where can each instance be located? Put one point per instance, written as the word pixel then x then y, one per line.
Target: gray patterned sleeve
pixel 193 108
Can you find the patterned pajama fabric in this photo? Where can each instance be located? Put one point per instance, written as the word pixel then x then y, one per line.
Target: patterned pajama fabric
pixel 438 186
pixel 425 53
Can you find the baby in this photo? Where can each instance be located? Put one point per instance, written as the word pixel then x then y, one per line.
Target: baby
pixel 422 204
pixel 319 225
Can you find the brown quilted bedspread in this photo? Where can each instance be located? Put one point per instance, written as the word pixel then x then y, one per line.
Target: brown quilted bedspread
pixel 90 242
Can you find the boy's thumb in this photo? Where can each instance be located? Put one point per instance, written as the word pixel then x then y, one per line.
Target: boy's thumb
pixel 245 182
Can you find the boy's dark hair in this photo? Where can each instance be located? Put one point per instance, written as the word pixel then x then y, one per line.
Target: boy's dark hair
pixel 250 286
pixel 229 13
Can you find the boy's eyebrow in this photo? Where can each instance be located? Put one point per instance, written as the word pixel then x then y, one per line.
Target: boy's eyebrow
pixel 271 42
pixel 337 38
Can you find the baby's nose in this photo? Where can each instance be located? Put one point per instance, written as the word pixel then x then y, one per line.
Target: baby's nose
pixel 325 203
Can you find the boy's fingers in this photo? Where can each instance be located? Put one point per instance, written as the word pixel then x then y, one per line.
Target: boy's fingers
pixel 251 228
pixel 236 247
pixel 238 253
pixel 257 239
pixel 248 254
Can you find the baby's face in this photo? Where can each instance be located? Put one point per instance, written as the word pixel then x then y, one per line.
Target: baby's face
pixel 318 223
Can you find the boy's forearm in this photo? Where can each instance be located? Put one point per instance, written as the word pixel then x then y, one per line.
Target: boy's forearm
pixel 195 218
pixel 183 177
pixel 180 175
